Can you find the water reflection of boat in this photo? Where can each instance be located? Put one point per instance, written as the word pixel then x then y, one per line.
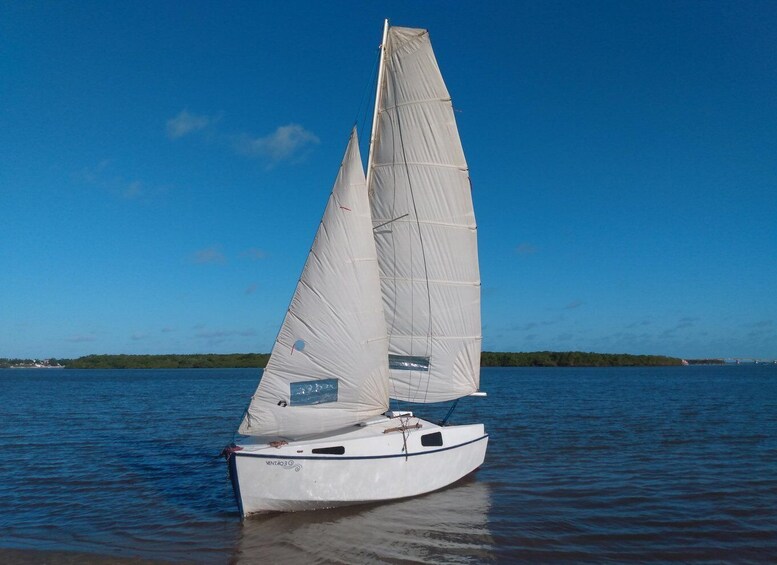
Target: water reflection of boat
pixel 450 525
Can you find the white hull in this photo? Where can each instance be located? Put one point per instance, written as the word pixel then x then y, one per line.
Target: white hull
pixel 359 465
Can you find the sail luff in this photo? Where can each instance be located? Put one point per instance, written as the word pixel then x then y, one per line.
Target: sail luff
pixel 328 369
pixel 376 109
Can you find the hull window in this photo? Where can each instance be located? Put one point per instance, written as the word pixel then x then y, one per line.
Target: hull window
pixel 339 450
pixel 432 440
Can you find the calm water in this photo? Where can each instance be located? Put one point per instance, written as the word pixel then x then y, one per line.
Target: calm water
pixel 620 465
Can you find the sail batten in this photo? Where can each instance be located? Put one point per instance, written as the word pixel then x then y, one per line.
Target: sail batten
pixel 422 164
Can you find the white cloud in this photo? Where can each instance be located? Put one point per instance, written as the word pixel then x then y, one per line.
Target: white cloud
pixel 285 143
pixel 186 123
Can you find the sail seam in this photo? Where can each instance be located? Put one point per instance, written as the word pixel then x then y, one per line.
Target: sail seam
pixel 435 281
pixel 416 103
pixel 461 168
pixel 441 337
pixel 428 223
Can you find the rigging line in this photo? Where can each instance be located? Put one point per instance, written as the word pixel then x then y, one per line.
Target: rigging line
pixel 398 142
pixel 383 84
pixel 405 421
pixel 245 415
pixel 389 222
pixel 394 141
pixel 448 415
pixel 429 341
pixel 392 320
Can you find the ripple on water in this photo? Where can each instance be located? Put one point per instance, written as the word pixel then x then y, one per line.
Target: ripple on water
pixel 634 465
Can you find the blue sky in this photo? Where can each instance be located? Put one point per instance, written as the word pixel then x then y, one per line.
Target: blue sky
pixel 164 166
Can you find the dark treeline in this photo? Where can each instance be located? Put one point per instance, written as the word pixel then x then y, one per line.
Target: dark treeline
pixel 196 361
pixel 573 359
pixel 250 360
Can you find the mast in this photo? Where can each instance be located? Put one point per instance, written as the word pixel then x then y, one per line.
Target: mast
pixel 378 96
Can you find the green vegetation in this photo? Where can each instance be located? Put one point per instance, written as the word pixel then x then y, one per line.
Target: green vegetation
pixel 706 362
pixel 259 360
pixel 197 361
pixel 573 359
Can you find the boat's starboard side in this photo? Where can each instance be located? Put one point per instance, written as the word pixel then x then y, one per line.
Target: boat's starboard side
pixel 368 465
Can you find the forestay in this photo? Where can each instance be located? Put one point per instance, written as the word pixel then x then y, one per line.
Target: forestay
pixel 425 228
pixel 328 365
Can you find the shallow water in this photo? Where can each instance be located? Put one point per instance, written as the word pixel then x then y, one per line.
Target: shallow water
pixel 584 465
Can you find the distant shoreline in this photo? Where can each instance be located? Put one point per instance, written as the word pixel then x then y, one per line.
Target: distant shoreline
pixel 259 360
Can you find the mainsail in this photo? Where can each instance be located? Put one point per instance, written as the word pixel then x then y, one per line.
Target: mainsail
pixel 328 366
pixel 425 228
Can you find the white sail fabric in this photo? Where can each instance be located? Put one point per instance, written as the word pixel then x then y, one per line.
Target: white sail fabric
pixel 425 229
pixel 328 366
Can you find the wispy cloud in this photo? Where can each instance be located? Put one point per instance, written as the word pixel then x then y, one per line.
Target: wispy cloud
pixel 286 143
pixel 211 254
pixel 138 336
pixel 185 123
pixel 533 325
pixel 574 304
pixel 82 338
pixel 254 254
pixel 763 329
pixel 682 324
pixel 526 249
pixel 251 289
pixel 216 334
pixel 289 143
pixel 102 176
pixel 132 189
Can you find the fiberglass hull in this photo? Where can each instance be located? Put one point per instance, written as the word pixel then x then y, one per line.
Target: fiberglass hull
pixel 366 464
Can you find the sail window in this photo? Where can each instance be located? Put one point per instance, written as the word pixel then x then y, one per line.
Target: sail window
pixel 313 392
pixel 339 450
pixel 408 363
pixel 430 440
pixel 299 345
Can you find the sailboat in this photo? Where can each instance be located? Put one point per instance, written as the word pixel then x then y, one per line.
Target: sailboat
pixel 387 307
